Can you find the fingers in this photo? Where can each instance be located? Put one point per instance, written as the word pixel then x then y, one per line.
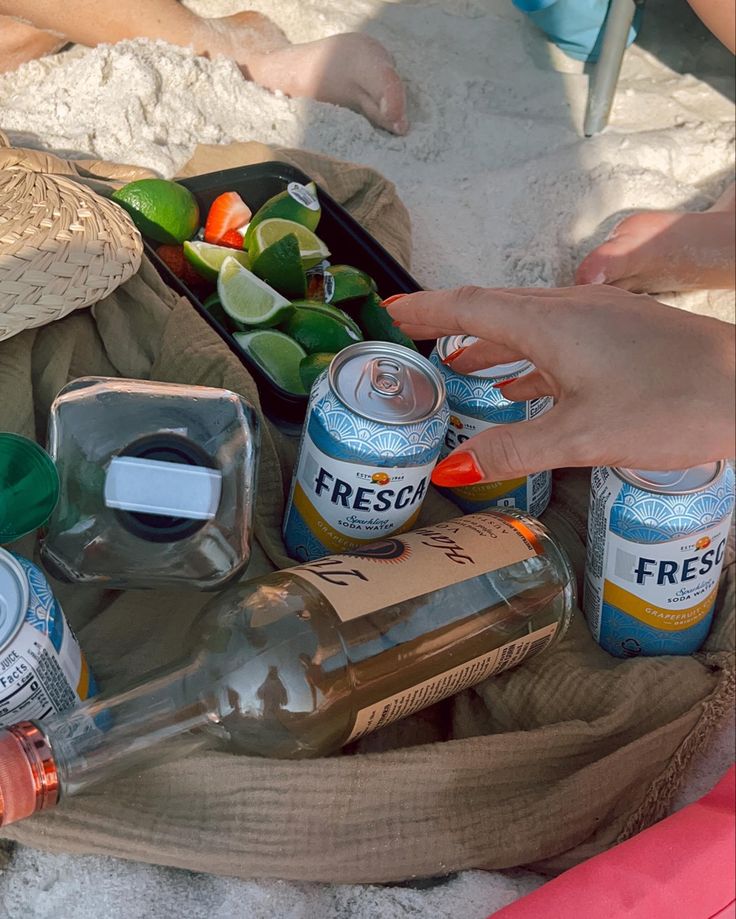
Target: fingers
pixel 494 315
pixel 530 386
pixel 510 451
pixel 480 355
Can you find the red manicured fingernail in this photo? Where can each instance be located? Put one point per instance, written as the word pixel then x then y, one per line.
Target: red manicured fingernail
pixel 453 355
pixel 391 300
pixel 396 323
pixel 504 383
pixel 457 469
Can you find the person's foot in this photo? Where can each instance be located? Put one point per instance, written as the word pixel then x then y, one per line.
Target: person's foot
pixel 661 251
pixel 20 43
pixel 351 70
pixel 242 34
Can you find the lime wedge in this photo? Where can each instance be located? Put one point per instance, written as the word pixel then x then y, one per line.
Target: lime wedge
pixel 280 265
pixel 311 248
pixel 312 366
pixel 214 308
pixel 277 355
pixel 207 259
pixel 343 283
pixel 297 202
pixel 327 309
pixel 248 299
pixel 377 324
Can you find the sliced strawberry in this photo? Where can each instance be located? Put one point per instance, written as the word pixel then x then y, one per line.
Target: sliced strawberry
pixel 228 212
pixel 174 257
pixel 231 238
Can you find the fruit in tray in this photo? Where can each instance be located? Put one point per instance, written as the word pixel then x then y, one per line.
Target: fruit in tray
pixel 227 213
pixel 164 211
pixel 276 293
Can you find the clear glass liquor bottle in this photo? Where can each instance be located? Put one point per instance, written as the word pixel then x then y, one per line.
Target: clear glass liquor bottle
pixel 278 670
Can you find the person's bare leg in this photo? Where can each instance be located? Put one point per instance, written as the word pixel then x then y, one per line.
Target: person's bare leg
pixel 720 17
pixel 20 43
pixel 352 70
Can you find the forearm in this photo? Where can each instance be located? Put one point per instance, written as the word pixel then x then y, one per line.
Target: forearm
pixel 724 391
pixel 92 22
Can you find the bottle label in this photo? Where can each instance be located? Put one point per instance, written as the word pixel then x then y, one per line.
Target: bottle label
pixel 449 682
pixel 42 670
pixel 399 568
pixel 329 287
pixel 344 504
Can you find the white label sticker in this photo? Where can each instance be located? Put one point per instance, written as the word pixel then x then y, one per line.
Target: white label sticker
pixel 303 195
pixel 329 287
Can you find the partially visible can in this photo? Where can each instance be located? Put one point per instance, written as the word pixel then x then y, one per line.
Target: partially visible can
pixel 476 405
pixel 42 668
pixel 375 423
pixel 656 544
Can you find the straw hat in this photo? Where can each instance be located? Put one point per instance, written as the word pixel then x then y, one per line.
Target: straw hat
pixel 62 246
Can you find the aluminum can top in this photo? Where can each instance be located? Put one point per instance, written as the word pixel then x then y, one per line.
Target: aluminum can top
pixel 14 597
pixel 385 382
pixel 451 343
pixel 675 481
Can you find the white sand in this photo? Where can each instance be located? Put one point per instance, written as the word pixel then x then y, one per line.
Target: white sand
pixel 502 189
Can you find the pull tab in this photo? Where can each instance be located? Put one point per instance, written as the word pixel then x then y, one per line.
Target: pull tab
pixel 387 377
pixel 168 489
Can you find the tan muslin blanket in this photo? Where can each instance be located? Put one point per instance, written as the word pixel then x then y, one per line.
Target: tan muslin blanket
pixel 544 765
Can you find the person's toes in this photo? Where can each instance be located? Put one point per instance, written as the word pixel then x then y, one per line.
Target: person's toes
pixel 606 264
pixel 383 101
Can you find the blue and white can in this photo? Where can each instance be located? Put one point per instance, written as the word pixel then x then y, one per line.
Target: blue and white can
pixel 656 545
pixel 375 423
pixel 42 668
pixel 476 405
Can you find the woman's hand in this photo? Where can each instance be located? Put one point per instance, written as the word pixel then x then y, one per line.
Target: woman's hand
pixel 636 383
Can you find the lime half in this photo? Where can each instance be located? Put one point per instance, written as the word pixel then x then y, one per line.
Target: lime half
pixel 311 248
pixel 277 355
pixel 248 299
pixel 298 203
pixel 327 309
pixel 318 332
pixel 207 259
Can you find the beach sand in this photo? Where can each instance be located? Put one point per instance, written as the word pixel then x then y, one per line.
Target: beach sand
pixel 502 190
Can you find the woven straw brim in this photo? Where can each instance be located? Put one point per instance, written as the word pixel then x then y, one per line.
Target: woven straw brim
pixel 62 247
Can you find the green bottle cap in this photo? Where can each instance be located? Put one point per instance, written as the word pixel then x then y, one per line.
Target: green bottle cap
pixel 29 486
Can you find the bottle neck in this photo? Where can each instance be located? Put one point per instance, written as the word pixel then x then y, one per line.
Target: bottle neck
pixel 29 780
pixel 171 714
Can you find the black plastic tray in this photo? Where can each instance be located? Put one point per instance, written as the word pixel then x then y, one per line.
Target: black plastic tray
pixel 347 241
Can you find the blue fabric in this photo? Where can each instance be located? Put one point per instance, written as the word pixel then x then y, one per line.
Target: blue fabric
pixel 575 26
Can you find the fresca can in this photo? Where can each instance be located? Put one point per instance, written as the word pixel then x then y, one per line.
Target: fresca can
pixel 42 669
pixel 656 543
pixel 375 424
pixel 476 405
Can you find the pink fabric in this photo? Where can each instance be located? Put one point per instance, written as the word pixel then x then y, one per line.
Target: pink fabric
pixel 683 866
